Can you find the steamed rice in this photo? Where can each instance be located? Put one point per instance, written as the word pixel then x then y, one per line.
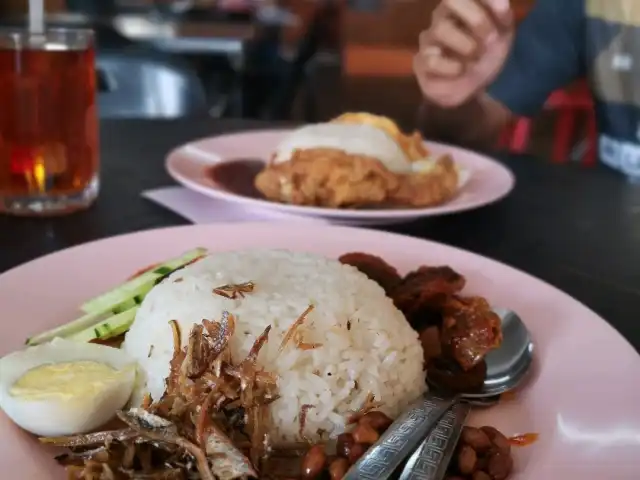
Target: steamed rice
pixel 367 345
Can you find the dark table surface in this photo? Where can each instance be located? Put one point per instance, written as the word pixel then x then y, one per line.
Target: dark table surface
pixel 576 228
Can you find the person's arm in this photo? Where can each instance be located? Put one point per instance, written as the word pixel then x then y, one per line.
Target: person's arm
pixel 475 124
pixel 547 54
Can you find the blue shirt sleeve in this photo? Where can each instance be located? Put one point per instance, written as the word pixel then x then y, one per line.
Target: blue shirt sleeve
pixel 547 54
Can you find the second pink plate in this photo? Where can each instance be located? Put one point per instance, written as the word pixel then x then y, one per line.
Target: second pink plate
pixel 190 165
pixel 583 398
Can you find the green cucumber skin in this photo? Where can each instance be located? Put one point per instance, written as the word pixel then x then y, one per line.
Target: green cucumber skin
pixel 109 328
pixel 86 321
pixel 139 286
pixel 123 307
pixel 162 271
pixel 97 310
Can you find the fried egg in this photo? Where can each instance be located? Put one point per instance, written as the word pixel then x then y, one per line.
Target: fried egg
pixel 65 387
pixel 426 165
pixel 412 145
pixel 354 139
pixel 363 118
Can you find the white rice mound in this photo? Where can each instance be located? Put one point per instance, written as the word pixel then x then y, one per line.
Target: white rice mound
pixel 367 344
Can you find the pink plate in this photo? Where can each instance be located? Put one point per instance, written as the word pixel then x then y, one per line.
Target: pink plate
pixel 489 180
pixel 583 399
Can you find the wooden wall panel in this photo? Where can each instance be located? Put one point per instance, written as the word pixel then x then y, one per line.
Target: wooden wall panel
pixel 18 6
pixel 382 44
pixel 399 22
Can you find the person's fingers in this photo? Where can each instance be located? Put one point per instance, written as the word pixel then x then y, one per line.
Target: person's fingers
pixel 430 61
pixel 472 15
pixel 424 40
pixel 448 35
pixel 501 12
pixel 439 12
pixel 458 33
pixel 435 58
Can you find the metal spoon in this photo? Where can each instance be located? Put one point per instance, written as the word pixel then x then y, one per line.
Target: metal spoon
pixel 507 366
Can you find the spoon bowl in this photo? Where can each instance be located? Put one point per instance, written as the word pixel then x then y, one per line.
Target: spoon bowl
pixel 508 365
pixel 507 368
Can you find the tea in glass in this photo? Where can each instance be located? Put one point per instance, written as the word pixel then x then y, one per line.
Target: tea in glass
pixel 49 158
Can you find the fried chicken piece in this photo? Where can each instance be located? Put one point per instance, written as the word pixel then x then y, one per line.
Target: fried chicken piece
pixel 447 374
pixel 329 178
pixel 333 178
pixel 375 268
pixel 431 345
pixel 427 288
pixel 413 146
pixel 470 330
pixel 425 317
pixel 429 188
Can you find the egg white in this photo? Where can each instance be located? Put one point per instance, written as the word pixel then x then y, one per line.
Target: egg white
pixel 78 414
pixel 354 139
pixel 426 164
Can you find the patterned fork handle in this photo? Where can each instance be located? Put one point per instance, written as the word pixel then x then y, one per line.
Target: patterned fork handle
pixel 430 461
pixel 402 437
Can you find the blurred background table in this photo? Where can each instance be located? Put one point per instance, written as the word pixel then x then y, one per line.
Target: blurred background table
pixel 274 59
pixel 577 228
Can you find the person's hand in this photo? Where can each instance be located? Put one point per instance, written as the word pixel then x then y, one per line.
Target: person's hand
pixel 463 50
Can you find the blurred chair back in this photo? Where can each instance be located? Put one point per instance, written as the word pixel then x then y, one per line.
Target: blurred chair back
pixel 146 85
pixel 299 68
pixel 92 7
pixel 108 38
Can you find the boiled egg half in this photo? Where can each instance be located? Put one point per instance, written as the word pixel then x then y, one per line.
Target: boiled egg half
pixel 65 387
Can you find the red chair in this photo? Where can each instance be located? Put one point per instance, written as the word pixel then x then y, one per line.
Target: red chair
pixel 569 104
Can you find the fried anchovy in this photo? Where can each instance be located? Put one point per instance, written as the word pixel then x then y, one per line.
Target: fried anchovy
pixel 220 333
pixel 90 439
pixel 161 430
pixel 85 454
pixel 165 474
pixel 234 290
pixel 228 462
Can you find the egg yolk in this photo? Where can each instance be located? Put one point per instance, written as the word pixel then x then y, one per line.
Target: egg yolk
pixel 64 380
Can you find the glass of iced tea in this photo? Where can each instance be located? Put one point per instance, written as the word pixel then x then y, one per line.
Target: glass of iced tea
pixel 49 157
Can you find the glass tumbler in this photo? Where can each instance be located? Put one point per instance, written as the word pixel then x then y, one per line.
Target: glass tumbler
pixel 49 152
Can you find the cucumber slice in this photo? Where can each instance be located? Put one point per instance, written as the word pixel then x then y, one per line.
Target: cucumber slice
pixel 87 321
pixel 119 301
pixel 123 307
pixel 67 329
pixel 108 328
pixel 138 287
